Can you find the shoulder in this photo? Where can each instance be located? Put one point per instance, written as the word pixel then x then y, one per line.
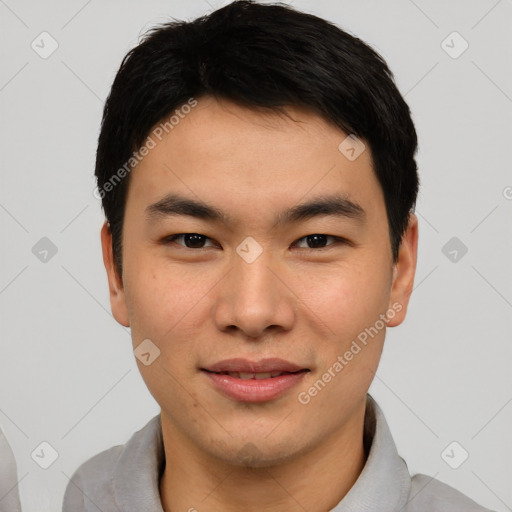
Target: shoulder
pixel 91 483
pixel 427 493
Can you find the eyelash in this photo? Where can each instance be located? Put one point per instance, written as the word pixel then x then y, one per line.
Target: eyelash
pixel 338 240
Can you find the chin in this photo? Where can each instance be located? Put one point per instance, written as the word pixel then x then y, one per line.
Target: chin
pixel 257 454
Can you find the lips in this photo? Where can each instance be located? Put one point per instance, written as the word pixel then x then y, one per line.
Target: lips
pixel 250 375
pixel 269 365
pixel 254 381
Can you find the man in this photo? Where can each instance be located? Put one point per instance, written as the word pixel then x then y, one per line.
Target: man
pixel 256 169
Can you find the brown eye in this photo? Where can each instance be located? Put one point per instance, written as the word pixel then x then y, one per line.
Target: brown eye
pixel 190 240
pixel 317 241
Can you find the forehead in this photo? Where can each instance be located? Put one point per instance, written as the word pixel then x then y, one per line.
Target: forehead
pixel 238 157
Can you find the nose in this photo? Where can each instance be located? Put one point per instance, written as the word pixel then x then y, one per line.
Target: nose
pixel 254 298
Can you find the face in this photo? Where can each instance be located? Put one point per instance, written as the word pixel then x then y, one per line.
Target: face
pixel 258 297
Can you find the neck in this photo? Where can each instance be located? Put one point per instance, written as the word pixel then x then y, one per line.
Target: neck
pixel 316 480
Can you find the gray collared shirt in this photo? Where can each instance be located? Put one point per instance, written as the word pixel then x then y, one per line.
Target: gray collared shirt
pixel 126 478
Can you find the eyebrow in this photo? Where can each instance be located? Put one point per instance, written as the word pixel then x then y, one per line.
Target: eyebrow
pixel 327 205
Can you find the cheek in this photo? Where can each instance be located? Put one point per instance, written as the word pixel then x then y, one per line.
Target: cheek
pixel 160 298
pixel 164 306
pixel 165 302
pixel 347 298
pixel 351 306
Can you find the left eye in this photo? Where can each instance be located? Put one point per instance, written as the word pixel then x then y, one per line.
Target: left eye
pixel 191 240
pixel 317 241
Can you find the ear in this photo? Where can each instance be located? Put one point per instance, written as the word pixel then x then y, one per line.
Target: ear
pixel 115 283
pixel 403 272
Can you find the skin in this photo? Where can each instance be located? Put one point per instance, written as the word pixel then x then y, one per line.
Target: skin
pixel 295 301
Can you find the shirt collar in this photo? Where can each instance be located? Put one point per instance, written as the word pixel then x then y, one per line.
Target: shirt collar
pixel 140 489
pixel 384 484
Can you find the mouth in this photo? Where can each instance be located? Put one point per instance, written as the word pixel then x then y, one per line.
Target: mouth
pixel 272 365
pixel 254 381
pixel 257 376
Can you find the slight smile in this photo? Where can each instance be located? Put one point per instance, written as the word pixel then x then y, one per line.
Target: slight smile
pixel 254 381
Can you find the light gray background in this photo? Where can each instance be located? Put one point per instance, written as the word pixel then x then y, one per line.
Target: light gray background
pixel 67 372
